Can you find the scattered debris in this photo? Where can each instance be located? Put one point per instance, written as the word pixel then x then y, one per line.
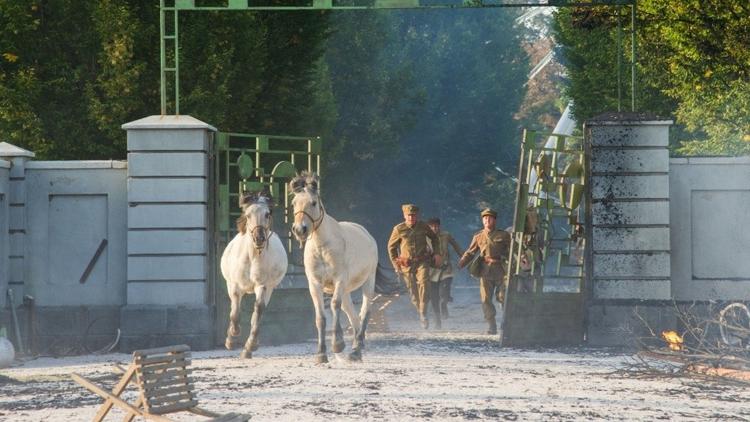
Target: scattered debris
pixel 714 344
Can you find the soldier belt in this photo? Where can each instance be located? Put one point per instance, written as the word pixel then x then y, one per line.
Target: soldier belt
pixel 418 260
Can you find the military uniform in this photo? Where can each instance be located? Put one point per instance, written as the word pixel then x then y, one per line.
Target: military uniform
pixel 409 253
pixel 442 277
pixel 493 248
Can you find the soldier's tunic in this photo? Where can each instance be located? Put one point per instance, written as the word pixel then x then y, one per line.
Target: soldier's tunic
pixel 442 277
pixel 493 247
pixel 409 251
pixel 446 271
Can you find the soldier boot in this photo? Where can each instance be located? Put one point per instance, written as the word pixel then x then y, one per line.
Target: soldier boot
pixel 425 322
pixel 492 328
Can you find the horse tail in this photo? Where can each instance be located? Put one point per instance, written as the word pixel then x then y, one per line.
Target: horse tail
pixel 368 296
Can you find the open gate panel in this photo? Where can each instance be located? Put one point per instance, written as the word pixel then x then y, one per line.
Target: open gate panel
pixel 545 278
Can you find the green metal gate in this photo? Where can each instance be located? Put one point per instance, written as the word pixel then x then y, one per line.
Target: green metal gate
pixel 246 162
pixel 545 297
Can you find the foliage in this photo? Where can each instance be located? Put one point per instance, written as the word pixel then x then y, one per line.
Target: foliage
pixel 693 64
pixel 65 93
pixel 413 106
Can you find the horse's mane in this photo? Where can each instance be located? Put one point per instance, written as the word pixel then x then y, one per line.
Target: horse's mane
pixel 250 198
pixel 305 180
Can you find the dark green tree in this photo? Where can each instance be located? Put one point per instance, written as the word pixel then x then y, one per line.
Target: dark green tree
pixel 71 73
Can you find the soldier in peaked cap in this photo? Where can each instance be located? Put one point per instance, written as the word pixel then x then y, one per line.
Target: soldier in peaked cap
pixel 411 257
pixel 492 245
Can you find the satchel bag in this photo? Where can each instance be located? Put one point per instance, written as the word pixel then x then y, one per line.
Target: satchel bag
pixel 476 266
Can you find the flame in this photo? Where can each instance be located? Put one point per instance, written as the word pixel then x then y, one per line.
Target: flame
pixel 673 339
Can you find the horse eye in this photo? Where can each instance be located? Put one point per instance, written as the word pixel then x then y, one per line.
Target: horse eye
pixel 314 203
pixel 268 215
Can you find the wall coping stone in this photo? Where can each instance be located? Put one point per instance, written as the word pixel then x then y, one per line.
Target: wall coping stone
pixel 168 122
pixel 627 119
pixel 72 165
pixel 10 150
pixel 710 160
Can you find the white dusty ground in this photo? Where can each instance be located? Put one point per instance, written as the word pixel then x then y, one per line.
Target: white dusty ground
pixel 407 374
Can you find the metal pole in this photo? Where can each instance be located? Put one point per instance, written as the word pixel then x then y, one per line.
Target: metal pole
pixel 619 60
pixel 176 65
pixel 162 59
pixel 633 54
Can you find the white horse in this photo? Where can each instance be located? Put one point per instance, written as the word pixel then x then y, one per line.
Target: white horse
pixel 254 261
pixel 339 258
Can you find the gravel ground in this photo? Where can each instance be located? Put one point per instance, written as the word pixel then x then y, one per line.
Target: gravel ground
pixel 407 373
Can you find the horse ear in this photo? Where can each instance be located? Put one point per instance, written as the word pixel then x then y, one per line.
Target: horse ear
pixel 248 198
pixel 313 180
pixel 242 224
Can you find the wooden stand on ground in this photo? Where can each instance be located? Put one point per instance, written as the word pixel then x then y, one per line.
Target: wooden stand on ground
pixel 163 380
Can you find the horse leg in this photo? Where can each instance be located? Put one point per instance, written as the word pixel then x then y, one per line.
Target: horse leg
pixel 368 295
pixel 316 292
pixel 261 294
pixel 338 333
pixel 348 307
pixel 235 299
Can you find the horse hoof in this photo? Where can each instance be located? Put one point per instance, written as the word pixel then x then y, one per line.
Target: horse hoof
pixel 338 347
pixel 321 358
pixel 229 344
pixel 246 354
pixel 355 356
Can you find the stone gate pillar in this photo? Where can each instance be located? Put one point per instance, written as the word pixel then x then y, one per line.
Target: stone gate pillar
pixel 168 234
pixel 14 199
pixel 628 227
pixel 4 241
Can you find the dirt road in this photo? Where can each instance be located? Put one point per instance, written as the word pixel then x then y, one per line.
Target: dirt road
pixel 456 373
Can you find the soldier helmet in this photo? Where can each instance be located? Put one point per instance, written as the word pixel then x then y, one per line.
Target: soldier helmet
pixel 488 211
pixel 434 221
pixel 410 209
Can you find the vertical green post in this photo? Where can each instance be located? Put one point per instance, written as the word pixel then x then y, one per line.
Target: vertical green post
pixel 309 154
pixel 162 58
pixel 619 60
pixel 633 54
pixel 176 65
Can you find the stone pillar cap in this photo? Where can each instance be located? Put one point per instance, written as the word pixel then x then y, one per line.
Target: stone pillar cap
pixel 168 122
pixel 10 150
pixel 616 118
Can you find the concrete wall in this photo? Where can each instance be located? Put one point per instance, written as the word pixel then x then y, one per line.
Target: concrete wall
pixel 54 216
pixel 108 245
pixel 660 230
pixel 710 234
pixel 4 238
pixel 74 208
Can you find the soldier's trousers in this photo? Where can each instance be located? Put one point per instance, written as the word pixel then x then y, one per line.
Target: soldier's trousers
pixel 418 281
pixel 447 289
pixel 439 294
pixel 487 290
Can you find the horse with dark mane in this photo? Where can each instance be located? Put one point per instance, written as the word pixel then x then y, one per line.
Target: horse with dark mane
pixel 255 261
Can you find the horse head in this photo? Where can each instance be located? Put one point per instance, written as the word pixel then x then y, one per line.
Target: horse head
pixel 308 210
pixel 256 218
